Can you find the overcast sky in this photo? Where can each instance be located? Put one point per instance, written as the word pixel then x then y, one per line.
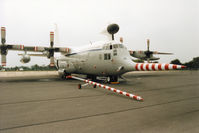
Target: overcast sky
pixel 171 25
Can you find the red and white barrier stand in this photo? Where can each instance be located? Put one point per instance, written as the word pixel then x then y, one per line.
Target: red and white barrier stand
pixel 107 87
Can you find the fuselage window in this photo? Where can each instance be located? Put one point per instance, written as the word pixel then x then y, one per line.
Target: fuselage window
pixel 107 56
pixel 114 52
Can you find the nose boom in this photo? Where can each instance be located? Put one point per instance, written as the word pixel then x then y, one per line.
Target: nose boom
pixel 156 67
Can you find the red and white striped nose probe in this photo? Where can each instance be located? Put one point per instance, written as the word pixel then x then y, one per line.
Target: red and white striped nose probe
pixel 156 67
pixel 138 98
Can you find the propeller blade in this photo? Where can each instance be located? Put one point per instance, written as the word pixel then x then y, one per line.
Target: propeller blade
pixel 148 43
pixel 3 60
pixel 3 35
pixel 51 49
pixel 40 55
pixel 156 52
pixel 52 63
pixel 3 47
pixel 51 39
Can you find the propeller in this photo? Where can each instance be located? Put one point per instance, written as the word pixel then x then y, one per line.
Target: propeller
pixel 49 51
pixel 150 53
pixel 3 46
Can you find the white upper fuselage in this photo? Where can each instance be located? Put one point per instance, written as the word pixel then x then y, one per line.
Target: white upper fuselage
pixel 100 58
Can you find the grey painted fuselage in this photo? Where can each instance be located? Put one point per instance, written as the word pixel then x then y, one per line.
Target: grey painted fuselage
pixel 100 59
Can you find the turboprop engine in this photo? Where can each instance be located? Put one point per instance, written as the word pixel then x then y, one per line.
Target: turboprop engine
pixel 25 58
pixel 65 68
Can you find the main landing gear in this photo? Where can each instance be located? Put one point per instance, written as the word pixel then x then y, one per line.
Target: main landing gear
pixel 64 75
pixel 91 77
pixel 79 86
pixel 113 79
pixel 110 79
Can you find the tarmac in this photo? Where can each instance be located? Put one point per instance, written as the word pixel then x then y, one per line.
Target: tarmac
pixel 46 104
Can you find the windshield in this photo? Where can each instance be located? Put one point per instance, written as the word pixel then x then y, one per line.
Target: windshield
pixel 118 46
pixel 114 46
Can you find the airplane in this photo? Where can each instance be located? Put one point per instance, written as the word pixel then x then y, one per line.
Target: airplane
pixel 109 59
pixel 146 55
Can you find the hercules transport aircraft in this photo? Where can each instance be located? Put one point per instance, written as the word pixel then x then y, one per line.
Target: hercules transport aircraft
pixel 109 59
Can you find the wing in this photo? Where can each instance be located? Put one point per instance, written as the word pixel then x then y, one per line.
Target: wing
pixel 18 47
pixel 46 51
pixel 147 54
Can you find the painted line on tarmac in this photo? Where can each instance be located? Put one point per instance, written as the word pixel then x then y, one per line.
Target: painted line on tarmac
pixel 96 115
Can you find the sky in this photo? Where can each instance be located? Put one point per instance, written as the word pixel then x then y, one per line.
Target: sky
pixel 171 25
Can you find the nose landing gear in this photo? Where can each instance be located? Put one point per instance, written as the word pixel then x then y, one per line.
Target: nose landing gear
pixel 113 79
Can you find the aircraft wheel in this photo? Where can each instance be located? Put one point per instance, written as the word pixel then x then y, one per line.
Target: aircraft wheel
pixel 113 79
pixel 94 86
pixel 79 86
pixel 92 77
pixel 108 79
pixel 63 77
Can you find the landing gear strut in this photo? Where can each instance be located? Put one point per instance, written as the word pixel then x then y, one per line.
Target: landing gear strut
pixel 79 86
pixel 113 79
pixel 64 75
pixel 92 77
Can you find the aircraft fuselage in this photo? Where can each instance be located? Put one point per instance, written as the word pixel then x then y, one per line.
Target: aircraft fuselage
pixel 109 58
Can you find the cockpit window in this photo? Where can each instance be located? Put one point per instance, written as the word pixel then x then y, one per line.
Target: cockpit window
pixel 115 46
pixel 106 47
pixel 118 46
pixel 121 46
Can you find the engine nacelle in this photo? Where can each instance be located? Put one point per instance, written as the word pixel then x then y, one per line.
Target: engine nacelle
pixel 143 55
pixel 25 58
pixel 113 28
pixel 68 67
pixel 61 73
